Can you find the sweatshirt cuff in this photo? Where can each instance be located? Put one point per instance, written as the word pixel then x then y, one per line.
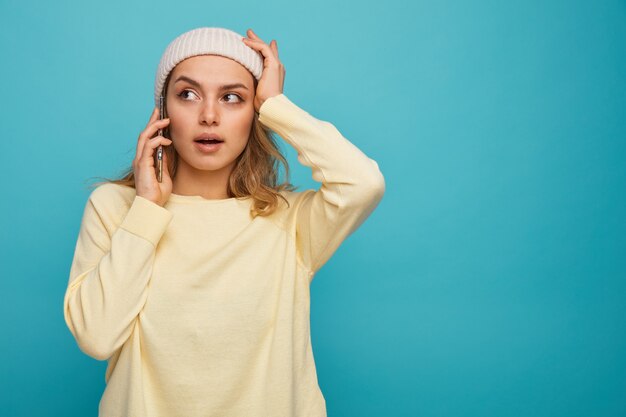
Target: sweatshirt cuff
pixel 278 112
pixel 147 220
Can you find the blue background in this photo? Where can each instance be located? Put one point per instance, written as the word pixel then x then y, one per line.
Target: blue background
pixel 491 279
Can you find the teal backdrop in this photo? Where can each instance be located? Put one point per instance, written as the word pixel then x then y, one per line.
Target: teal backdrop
pixel 490 280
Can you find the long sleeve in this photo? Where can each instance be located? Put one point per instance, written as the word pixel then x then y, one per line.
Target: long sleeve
pixel 352 184
pixel 111 268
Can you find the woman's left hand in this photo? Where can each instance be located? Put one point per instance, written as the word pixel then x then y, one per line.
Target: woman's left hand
pixel 273 77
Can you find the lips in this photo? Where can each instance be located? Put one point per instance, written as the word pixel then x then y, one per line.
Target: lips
pixel 209 138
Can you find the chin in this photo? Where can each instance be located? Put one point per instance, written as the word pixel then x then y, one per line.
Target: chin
pixel 210 166
pixel 211 163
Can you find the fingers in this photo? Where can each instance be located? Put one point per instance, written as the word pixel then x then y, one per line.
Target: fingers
pixel 154 116
pixel 253 35
pixel 272 80
pixel 150 146
pixel 274 47
pixel 147 155
pixel 153 126
pixel 257 43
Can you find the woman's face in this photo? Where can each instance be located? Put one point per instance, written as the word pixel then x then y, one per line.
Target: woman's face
pixel 210 94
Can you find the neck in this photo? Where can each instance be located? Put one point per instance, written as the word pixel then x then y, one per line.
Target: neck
pixel 212 185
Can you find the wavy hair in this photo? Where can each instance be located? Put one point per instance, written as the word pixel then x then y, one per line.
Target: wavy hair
pixel 255 173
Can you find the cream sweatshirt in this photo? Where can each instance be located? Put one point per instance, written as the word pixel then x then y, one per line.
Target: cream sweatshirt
pixel 202 311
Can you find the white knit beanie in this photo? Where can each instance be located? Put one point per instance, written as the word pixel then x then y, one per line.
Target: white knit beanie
pixel 206 41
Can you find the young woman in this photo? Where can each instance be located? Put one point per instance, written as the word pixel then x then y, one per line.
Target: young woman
pixel 196 288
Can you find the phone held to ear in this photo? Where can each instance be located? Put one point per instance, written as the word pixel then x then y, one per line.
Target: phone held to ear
pixel 159 153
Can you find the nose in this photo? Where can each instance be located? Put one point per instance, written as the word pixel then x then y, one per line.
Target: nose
pixel 209 112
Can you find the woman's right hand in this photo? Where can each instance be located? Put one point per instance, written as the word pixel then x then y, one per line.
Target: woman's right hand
pixel 146 184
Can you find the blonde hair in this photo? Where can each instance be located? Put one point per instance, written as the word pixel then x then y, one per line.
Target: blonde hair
pixel 255 173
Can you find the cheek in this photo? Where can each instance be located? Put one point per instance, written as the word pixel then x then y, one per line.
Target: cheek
pixel 246 118
pixel 178 119
pixel 245 128
pixel 236 122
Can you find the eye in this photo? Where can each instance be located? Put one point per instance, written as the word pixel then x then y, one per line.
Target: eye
pixel 234 95
pixel 181 94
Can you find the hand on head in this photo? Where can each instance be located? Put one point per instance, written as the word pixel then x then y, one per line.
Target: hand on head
pixel 273 77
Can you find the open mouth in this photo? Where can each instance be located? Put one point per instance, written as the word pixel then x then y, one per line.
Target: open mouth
pixel 209 141
pixel 208 145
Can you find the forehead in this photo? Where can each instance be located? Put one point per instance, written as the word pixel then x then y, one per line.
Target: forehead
pixel 213 69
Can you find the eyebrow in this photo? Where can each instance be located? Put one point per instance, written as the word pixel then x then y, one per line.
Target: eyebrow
pixel 221 88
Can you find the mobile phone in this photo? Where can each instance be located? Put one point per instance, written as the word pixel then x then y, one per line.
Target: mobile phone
pixel 159 152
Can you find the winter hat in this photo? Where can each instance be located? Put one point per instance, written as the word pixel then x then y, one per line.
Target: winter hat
pixel 205 41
